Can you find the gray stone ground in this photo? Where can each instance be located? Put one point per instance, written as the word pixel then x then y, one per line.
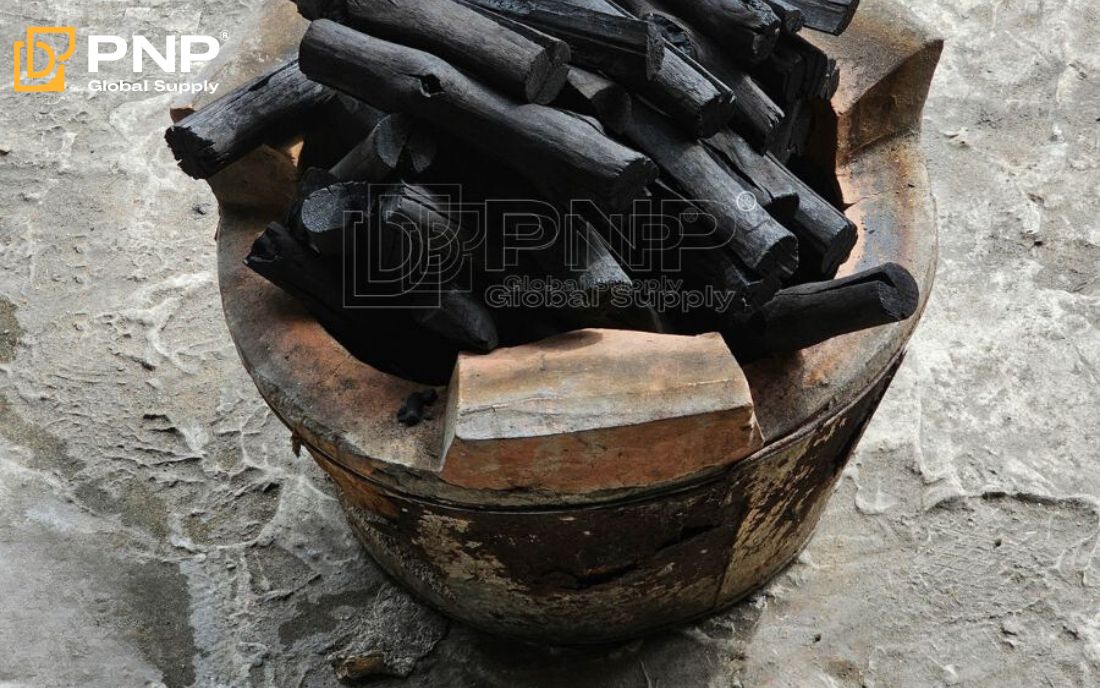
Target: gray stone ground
pixel 156 528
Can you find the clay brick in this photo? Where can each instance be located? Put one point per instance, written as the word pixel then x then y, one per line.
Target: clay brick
pixel 595 410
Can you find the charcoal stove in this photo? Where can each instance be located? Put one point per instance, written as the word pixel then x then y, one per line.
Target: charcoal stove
pixel 609 554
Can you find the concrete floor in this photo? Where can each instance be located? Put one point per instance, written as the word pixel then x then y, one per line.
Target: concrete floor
pixel 155 527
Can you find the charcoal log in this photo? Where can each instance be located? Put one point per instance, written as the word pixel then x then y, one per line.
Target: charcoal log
pixel 596 95
pixel 461 318
pixel 798 70
pixel 769 183
pixel 614 43
pixel 754 112
pixel 700 102
pixel 325 214
pixel 599 288
pixel 397 144
pixel 524 69
pixel 808 314
pixel 767 177
pixel 522 236
pixel 385 339
pixel 826 235
pixel 582 255
pixel 321 9
pixel 672 33
pixel 335 128
pixel 267 108
pixel 791 17
pixel 758 240
pixel 792 136
pixel 311 180
pixel 748 29
pixel 409 227
pixel 696 99
pixel 426 244
pixel 830 16
pixel 563 156
pixel 691 255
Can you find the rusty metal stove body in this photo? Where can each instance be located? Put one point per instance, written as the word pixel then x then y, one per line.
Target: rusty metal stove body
pixel 596 565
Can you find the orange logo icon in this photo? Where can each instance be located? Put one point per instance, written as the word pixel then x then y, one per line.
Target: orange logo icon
pixel 54 69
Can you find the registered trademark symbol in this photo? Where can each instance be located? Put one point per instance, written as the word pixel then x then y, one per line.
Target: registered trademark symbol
pixel 690 216
pixel 224 35
pixel 746 201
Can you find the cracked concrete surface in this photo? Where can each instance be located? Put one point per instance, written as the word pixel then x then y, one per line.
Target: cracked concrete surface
pixel 155 527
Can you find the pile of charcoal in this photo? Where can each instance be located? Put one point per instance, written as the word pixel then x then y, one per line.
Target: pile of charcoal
pixel 484 173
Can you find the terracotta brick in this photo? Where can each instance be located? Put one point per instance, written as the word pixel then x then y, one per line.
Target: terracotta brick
pixel 595 410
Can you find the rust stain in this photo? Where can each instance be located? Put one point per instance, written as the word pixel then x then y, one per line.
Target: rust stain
pixel 357 491
pixel 445 541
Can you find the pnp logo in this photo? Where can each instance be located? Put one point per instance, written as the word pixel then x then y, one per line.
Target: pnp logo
pixel 180 55
pixel 192 50
pixel 54 69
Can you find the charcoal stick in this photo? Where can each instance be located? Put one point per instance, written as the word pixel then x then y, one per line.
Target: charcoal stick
pixel 468 39
pixel 753 112
pixel 565 157
pixel 826 234
pixel 596 95
pixel 415 223
pixel 830 16
pixel 696 99
pixel 384 338
pixel 221 133
pixel 808 314
pixel 321 217
pixel 792 18
pixel 611 42
pixel 761 242
pixel 695 258
pixel 398 143
pixel 748 29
